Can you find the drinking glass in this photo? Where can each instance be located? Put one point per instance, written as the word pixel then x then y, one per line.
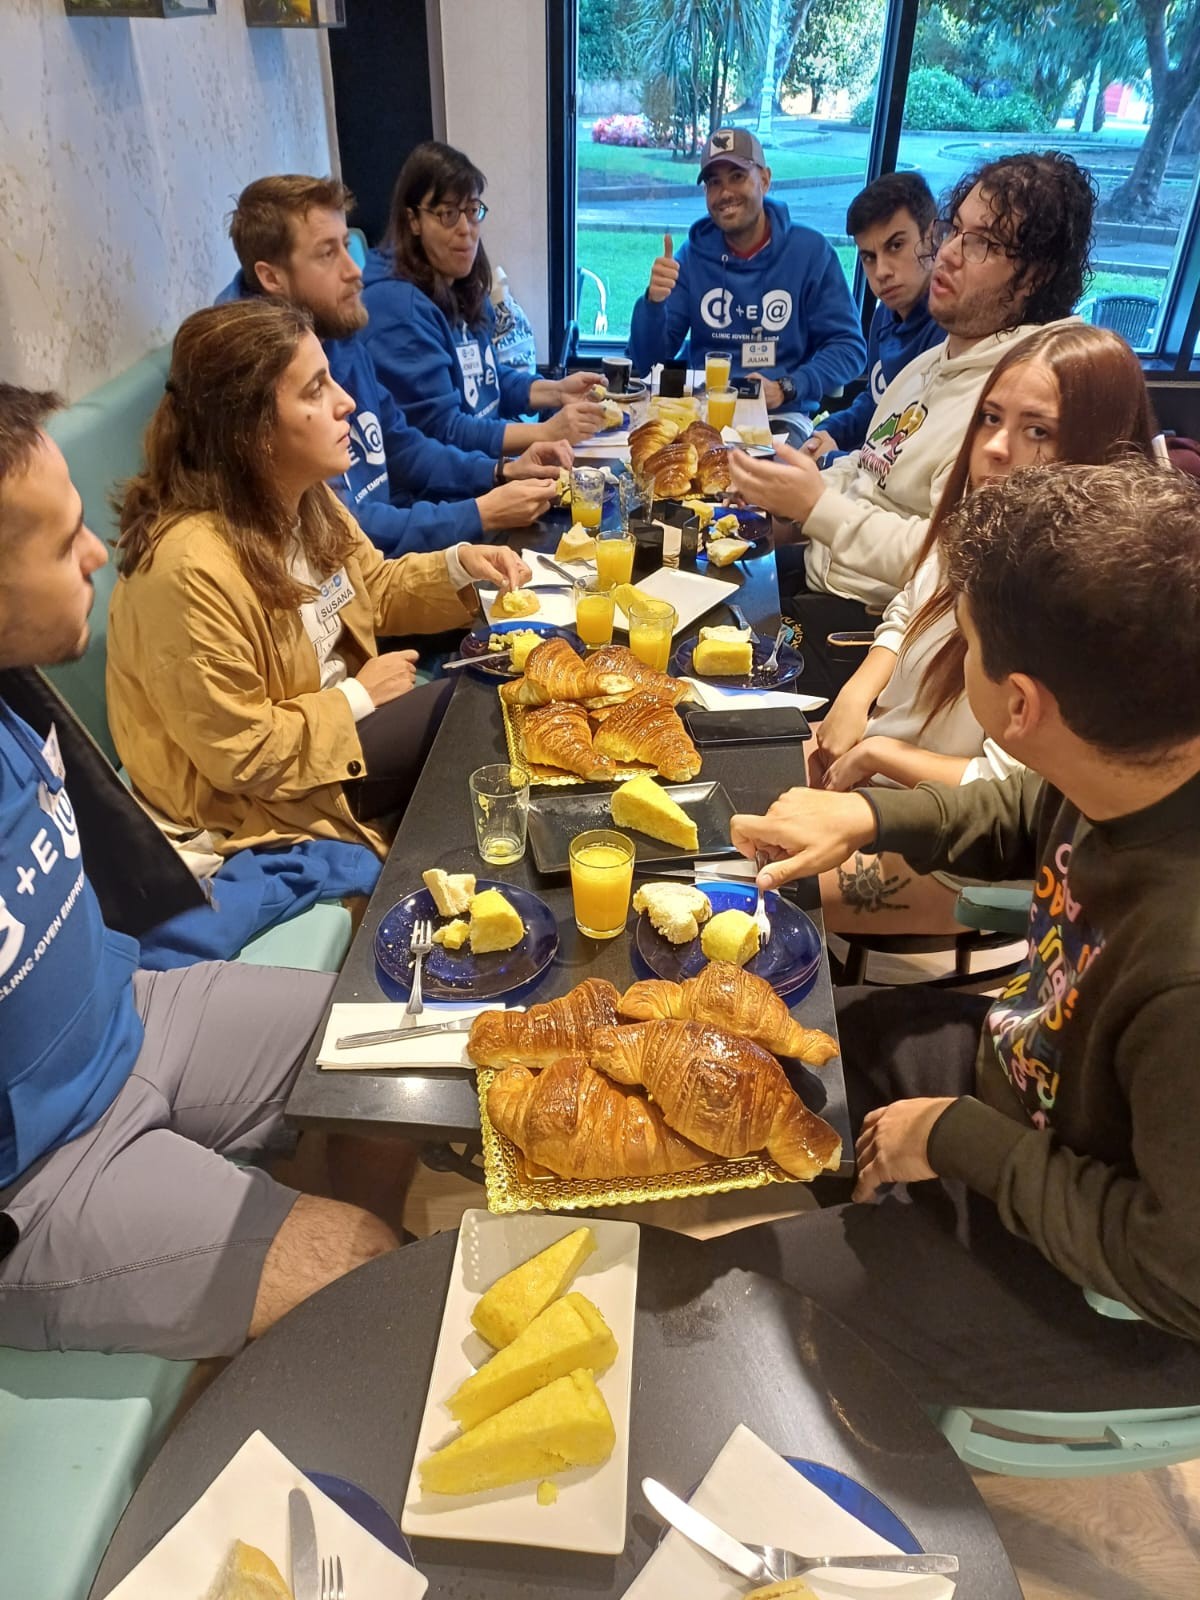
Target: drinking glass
pixel 614 558
pixel 601 881
pixel 652 626
pixel 587 496
pixel 593 612
pixel 721 403
pixel 718 368
pixel 500 807
pixel 617 371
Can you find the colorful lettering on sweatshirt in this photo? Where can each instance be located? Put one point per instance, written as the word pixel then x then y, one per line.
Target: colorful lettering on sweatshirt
pixel 885 442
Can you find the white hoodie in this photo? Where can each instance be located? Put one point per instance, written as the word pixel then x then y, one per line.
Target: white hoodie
pixel 866 529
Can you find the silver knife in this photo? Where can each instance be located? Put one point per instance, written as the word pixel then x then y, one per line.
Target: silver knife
pixel 350 1041
pixel 573 576
pixel 303 1540
pixel 704 1533
pixel 739 616
pixel 476 661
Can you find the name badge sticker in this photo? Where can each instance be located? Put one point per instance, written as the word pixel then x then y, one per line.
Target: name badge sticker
pixel 337 591
pixel 470 360
pixel 52 755
pixel 758 353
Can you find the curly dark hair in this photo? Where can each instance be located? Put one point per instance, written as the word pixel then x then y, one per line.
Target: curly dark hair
pixel 1043 206
pixel 1069 572
pixel 433 174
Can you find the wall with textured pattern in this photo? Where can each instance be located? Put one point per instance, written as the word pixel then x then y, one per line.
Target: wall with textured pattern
pixel 122 147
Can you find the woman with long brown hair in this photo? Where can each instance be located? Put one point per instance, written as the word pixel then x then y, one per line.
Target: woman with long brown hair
pixel 246 695
pixel 1069 393
pixel 427 291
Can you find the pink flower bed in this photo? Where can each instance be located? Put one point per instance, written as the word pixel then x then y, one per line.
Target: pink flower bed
pixel 622 129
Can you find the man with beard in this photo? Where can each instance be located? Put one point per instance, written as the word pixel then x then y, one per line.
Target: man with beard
pixel 291 238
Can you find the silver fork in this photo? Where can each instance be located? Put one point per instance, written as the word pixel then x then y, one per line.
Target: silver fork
pixel 332 1587
pixel 420 945
pixel 772 660
pixel 785 1564
pixel 761 920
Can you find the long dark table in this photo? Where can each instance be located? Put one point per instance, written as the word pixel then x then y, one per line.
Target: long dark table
pixel 437 831
pixel 339 1386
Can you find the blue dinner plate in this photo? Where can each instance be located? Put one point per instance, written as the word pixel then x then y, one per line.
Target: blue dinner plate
pixel 789 666
pixel 365 1510
pixel 459 974
pixel 789 963
pixel 476 644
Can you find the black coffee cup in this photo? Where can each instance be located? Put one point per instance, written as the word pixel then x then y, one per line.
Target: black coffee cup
pixel 617 372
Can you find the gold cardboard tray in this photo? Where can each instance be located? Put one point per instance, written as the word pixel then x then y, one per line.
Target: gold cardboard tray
pixel 514 718
pixel 512 1187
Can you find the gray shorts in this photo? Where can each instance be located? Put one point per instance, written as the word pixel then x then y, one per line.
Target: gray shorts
pixel 140 1235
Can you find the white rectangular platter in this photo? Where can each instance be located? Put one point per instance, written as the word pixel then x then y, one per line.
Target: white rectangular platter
pixel 691 593
pixel 589 1514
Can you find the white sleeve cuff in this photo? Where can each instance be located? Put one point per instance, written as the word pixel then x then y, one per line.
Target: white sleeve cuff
pixel 459 577
pixel 361 704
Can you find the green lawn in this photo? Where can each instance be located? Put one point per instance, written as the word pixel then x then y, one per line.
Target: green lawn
pixel 662 165
pixel 623 261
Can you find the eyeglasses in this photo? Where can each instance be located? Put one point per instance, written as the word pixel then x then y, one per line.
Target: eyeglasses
pixel 448 216
pixel 976 247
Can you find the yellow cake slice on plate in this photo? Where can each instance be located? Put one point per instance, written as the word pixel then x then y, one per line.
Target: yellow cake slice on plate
pixel 495 924
pixel 513 1301
pixel 577 544
pixel 640 803
pixel 566 1424
pixel 451 891
pixel 570 1333
pixel 625 593
pixel 453 935
pixel 723 653
pixel 248 1574
pixel 730 936
pixel 723 552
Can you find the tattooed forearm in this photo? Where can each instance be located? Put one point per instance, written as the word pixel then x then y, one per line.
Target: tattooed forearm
pixel 864 888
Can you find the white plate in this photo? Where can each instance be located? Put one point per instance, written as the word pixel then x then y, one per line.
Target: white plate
pixel 589 1514
pixel 690 593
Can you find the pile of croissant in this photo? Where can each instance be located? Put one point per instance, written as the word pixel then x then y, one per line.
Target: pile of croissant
pixel 592 716
pixel 672 464
pixel 657 1080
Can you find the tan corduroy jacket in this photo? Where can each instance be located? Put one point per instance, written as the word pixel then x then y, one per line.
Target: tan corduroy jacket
pixel 216 705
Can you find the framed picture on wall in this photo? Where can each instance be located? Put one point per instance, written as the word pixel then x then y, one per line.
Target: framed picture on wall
pixel 165 10
pixel 295 13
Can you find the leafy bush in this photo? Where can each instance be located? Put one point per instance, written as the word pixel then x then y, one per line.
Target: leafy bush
pixel 620 129
pixel 1015 113
pixel 937 100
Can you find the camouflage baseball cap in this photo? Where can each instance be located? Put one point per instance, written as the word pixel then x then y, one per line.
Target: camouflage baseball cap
pixel 738 146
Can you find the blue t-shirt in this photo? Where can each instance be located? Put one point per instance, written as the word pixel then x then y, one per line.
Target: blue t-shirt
pixel 69 1031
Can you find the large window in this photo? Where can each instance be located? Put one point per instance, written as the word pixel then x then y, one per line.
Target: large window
pixel 1115 82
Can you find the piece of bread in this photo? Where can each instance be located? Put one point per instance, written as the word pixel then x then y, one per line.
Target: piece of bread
pixel 728 997
pixel 577 544
pixel 451 891
pixel 554 671
pixel 452 935
pixel 550 1029
pixel 702 510
pixel 649 730
pixel 495 923
pixel 701 436
pixel 723 552
pixel 248 1574
pixel 640 803
pixel 676 910
pixel 724 652
pixel 672 469
pixel 566 1424
pixel 512 1302
pixel 515 603
pixel 560 735
pixel 730 936
pixel 651 436
pixel 792 1589
pixel 620 659
pixel 726 526
pixel 613 415
pixel 712 470
pixel 570 1333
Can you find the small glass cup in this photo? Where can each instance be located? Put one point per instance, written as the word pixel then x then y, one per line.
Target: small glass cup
pixel 601 881
pixel 652 626
pixel 614 558
pixel 617 372
pixel 594 612
pixel 721 405
pixel 500 807
pixel 718 369
pixel 587 496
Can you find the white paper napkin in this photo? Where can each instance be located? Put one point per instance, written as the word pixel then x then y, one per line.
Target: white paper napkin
pixel 753 1494
pixel 434 1050
pixel 248 1501
pixel 713 698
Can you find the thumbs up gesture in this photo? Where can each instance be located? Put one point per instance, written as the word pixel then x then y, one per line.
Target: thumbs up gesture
pixel 664 274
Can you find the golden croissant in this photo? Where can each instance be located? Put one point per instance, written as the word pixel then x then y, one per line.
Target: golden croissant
pixel 730 997
pixel 724 1094
pixel 646 729
pixel 553 1028
pixel 553 671
pixel 672 469
pixel 619 658
pixel 649 438
pixel 701 436
pixel 579 1124
pixel 712 473
pixel 560 735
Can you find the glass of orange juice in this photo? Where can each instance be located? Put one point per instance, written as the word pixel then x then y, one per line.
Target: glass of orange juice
pixel 652 625
pixel 718 368
pixel 593 611
pixel 614 558
pixel 601 880
pixel 721 403
pixel 587 496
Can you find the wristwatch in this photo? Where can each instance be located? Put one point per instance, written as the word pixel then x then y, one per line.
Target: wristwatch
pixel 788 389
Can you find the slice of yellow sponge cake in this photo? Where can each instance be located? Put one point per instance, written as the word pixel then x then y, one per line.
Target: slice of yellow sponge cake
pixel 513 1301
pixel 640 803
pixel 566 1424
pixel 570 1333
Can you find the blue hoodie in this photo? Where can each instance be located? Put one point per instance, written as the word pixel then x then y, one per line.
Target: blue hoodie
pixel 447 379
pixel 792 292
pixel 391 463
pixel 69 1031
pixel 891 345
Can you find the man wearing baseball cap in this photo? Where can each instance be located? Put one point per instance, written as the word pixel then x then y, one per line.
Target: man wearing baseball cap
pixel 751 282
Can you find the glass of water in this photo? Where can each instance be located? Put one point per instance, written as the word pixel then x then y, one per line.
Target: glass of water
pixel 500 807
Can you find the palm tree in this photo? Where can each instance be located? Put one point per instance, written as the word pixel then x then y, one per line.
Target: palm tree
pixel 694 45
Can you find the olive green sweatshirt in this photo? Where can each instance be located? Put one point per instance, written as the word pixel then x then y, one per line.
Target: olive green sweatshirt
pixel 1085 1124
